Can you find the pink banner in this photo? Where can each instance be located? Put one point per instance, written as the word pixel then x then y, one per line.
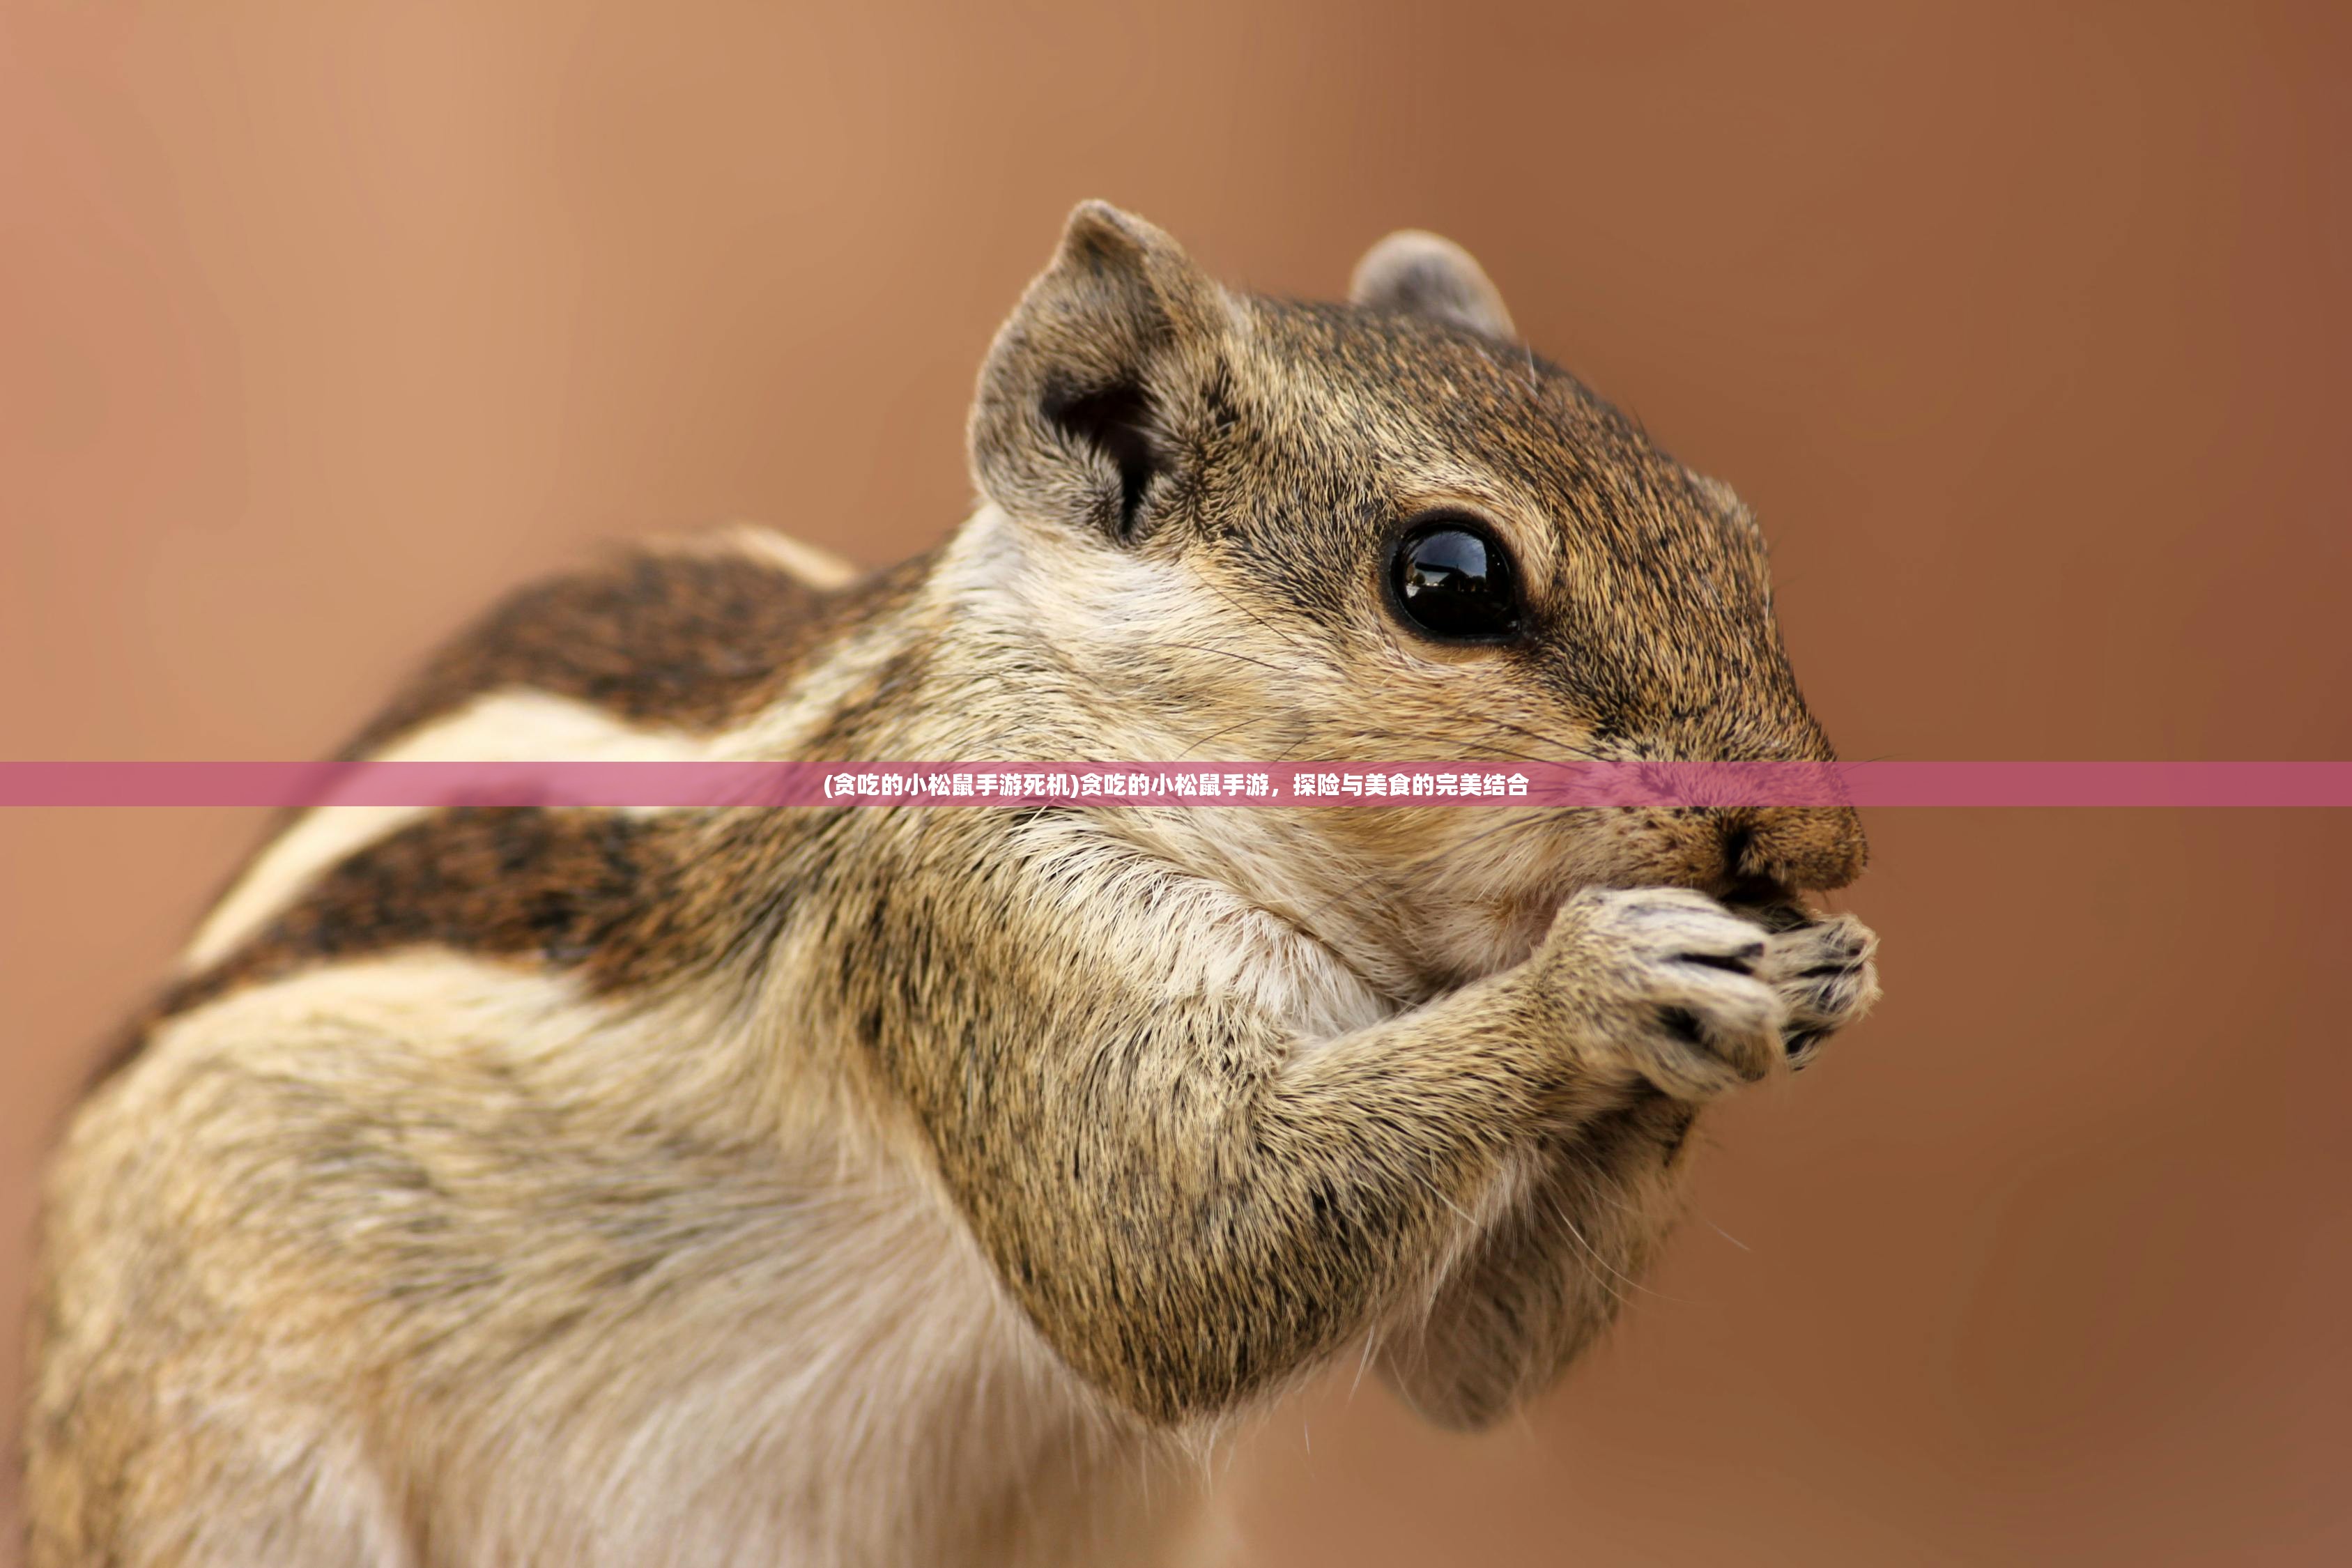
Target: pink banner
pixel 1290 784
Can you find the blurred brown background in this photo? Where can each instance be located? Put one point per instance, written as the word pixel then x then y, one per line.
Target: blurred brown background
pixel 2024 331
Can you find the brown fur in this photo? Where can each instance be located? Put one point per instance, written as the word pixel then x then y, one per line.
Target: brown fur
pixel 889 1187
pixel 696 640
pixel 564 889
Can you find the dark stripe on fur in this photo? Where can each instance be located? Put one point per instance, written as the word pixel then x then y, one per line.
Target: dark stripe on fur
pixel 689 641
pixel 564 890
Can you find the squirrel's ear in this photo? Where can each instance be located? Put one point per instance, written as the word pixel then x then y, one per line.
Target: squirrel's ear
pixel 1087 391
pixel 1428 275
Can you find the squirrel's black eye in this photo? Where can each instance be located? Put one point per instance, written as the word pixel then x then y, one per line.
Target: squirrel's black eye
pixel 1452 579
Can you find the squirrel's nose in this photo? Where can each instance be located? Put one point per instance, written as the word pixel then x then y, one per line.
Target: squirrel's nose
pixel 1804 848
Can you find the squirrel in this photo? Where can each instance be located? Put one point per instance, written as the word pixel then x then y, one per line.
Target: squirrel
pixel 828 1186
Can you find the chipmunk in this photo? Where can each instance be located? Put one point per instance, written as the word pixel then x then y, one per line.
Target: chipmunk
pixel 853 1186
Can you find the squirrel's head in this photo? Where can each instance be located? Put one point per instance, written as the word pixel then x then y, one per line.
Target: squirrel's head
pixel 1241 528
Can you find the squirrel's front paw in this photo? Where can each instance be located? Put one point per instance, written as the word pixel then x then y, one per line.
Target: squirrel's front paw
pixel 1673 981
pixel 1822 970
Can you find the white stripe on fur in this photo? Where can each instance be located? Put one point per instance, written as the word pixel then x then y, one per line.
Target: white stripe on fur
pixel 500 727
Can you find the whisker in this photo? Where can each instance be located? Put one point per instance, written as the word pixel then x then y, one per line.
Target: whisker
pixel 1206 648
pixel 1293 639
